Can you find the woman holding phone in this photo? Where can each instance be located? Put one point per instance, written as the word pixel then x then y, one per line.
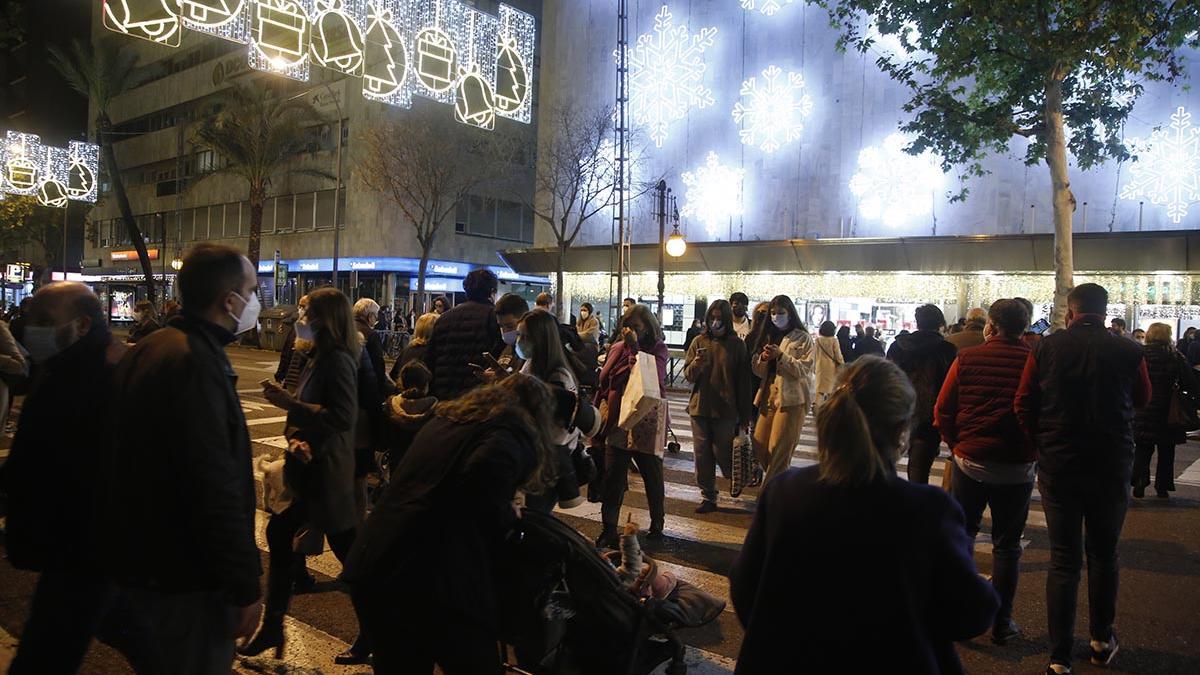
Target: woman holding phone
pixel 319 463
pixel 784 364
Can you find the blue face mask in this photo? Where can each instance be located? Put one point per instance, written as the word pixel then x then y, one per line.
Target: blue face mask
pixel 781 321
pixel 509 337
pixel 523 352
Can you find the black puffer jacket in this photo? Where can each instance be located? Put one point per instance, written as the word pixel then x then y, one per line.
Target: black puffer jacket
pixel 1166 367
pixel 925 356
pixel 460 337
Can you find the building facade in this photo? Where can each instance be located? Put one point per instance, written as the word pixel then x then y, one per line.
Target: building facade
pixel 377 248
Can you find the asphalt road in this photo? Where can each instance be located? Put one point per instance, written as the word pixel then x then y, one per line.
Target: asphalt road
pixel 1157 620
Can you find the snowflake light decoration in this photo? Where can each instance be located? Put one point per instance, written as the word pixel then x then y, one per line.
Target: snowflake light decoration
pixel 714 193
pixel 773 113
pixel 894 186
pixel 665 73
pixel 1167 172
pixel 767 7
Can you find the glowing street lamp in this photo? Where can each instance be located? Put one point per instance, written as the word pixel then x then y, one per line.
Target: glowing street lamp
pixel 176 264
pixel 676 244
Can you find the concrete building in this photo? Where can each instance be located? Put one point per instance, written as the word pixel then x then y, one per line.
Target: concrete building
pixel 378 250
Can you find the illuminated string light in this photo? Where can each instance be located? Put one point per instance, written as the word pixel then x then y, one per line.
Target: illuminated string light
pixel 1167 171
pixel 24 163
pixel 228 19
pixel 279 37
pixel 666 71
pixel 767 7
pixel 82 171
pixel 515 50
pixel 714 194
pixel 474 101
pixel 386 53
pixel 52 190
pixel 893 186
pixel 151 20
pixel 772 112
pixel 335 41
pixel 53 175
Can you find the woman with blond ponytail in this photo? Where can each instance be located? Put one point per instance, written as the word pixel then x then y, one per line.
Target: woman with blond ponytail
pixel 894 581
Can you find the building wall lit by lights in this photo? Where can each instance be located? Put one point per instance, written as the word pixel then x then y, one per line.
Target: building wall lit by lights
pixel 809 129
pixel 159 163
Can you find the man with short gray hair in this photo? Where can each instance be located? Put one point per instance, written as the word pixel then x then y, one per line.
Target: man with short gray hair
pixel 972 332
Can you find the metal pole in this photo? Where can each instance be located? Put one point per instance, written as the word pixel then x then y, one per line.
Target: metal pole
pixel 66 209
pixel 662 245
pixel 337 190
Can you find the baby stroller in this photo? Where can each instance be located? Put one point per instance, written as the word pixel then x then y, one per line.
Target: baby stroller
pixel 565 612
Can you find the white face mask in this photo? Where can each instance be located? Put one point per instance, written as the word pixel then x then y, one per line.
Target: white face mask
pixel 781 321
pixel 583 314
pixel 249 316
pixel 304 331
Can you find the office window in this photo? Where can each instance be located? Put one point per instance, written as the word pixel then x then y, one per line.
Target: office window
pixel 482 217
pixel 324 209
pixel 284 213
pixel 508 220
pixel 304 211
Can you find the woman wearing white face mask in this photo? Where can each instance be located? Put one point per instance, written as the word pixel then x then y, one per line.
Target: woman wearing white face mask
pixel 718 367
pixel 784 364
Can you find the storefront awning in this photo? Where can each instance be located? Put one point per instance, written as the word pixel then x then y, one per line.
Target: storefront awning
pixel 1096 252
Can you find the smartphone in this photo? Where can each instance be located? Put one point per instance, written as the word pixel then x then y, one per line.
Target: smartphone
pixel 1040 326
pixel 492 362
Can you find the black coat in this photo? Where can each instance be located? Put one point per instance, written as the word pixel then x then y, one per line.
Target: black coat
pixel 460 337
pixel 925 356
pixel 448 505
pixel 50 477
pixel 880 576
pixel 178 488
pixel 371 398
pixel 411 353
pixel 1166 368
pixel 865 346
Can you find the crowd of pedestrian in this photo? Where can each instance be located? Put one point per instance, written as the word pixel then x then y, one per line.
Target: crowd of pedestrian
pixel 494 410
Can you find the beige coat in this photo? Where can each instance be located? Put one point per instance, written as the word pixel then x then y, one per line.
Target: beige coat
pixel 792 385
pixel 827 358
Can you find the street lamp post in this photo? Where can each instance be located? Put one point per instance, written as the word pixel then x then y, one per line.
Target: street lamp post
pixel 673 246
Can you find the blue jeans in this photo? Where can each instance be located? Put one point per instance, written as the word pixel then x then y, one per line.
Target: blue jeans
pixel 1010 508
pixel 1082 515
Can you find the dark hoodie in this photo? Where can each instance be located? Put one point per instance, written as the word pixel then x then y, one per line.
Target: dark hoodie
pixel 925 356
pixel 405 418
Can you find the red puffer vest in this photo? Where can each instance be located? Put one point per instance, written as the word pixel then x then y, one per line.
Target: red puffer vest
pixel 988 376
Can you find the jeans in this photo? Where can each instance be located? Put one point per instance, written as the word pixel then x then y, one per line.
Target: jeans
pixel 923 448
pixel 173 633
pixel 1164 475
pixel 66 613
pixel 712 444
pixel 1082 515
pixel 616 481
pixel 1010 508
pixel 778 431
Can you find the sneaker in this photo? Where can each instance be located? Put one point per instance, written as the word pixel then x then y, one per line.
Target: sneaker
pixel 654 534
pixel 608 539
pixel 1004 631
pixel 1104 652
pixel 706 507
pixel 1058 669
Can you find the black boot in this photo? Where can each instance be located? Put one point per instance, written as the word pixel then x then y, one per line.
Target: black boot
pixel 270 636
pixel 608 538
pixel 359 653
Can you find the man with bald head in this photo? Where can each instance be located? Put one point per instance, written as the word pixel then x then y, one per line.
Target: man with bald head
pixel 51 475
pixel 972 333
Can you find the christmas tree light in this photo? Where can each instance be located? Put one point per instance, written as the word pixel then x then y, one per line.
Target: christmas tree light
pixel 385 54
pixel 514 57
pixel 1167 171
pixel 82 171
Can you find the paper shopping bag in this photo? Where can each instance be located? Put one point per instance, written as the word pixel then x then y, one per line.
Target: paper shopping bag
pixel 642 394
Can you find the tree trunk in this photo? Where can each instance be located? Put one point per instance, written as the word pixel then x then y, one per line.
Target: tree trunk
pixel 1063 201
pixel 558 281
pixel 118 187
pixel 424 265
pixel 254 248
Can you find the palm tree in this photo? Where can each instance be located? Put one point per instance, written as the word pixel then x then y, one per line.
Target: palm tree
pixel 255 134
pixel 101 73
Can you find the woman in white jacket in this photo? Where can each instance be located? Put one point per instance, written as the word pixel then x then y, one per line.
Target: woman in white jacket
pixel 827 358
pixel 785 365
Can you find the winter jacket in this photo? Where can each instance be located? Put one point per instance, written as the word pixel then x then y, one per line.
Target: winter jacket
pixel 328 386
pixel 460 337
pixel 614 376
pixel 970 336
pixel 411 353
pixel 867 346
pixel 975 408
pixel 925 356
pixel 792 385
pixel 455 487
pixel 1076 399
pixel 141 329
pixel 373 344
pixel 1166 368
pixel 179 480
pixel 720 379
pixel 828 357
pixel 896 565
pixel 405 417
pixel 589 330
pixel 51 475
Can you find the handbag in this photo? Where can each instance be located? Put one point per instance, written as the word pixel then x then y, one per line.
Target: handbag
pixel 1181 413
pixel 642 393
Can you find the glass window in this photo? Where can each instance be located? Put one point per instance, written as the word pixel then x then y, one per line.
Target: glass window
pixel 508 220
pixel 304 211
pixel 324 209
pixel 482 218
pixel 284 215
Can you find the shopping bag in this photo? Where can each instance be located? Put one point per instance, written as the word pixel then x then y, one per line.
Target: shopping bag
pixel 743 465
pixel 642 394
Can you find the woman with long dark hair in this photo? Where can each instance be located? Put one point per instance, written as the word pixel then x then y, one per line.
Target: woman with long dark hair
pixel 421 572
pixel 645 443
pixel 784 362
pixel 319 464
pixel 895 561
pixel 718 367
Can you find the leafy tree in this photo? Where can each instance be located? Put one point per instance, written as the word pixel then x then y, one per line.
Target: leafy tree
pixel 980 73
pixel 426 164
pixel 16 211
pixel 256 135
pixel 102 72
pixel 576 175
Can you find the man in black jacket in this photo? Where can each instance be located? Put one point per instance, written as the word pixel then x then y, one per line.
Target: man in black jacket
pixel 462 335
pixel 1076 400
pixel 867 344
pixel 178 489
pixel 51 476
pixel 925 356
